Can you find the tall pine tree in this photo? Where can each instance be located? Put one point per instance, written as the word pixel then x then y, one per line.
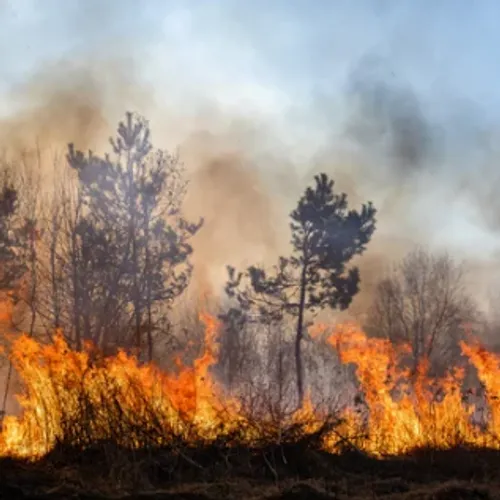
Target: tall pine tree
pixel 325 237
pixel 133 241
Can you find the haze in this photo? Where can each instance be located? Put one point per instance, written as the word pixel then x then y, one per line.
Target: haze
pixel 398 101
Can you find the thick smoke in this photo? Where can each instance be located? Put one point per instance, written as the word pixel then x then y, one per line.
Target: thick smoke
pixel 226 186
pixel 415 165
pixel 70 101
pixel 388 121
pixel 246 169
pixel 244 185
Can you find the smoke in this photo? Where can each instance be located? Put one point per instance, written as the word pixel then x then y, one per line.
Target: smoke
pixel 430 176
pixel 73 103
pixel 388 121
pixel 252 128
pixel 242 223
pixel 70 101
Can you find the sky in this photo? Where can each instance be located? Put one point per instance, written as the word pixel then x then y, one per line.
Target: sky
pixel 445 49
pixel 406 89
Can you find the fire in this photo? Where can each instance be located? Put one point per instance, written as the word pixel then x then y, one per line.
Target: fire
pixel 68 393
pixel 60 384
pixel 405 412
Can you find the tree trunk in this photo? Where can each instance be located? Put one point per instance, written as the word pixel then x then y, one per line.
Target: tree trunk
pixel 281 375
pixel 298 338
pixel 34 281
pixel 148 280
pixel 132 234
pixel 76 293
pixel 150 334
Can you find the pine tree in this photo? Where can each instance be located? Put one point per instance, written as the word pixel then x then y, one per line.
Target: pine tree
pixel 325 237
pixel 133 238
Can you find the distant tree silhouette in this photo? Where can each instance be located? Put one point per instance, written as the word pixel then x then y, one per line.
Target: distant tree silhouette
pixel 423 301
pixel 325 237
pixel 128 245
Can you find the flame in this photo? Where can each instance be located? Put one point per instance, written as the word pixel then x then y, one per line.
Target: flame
pixel 403 410
pixel 55 377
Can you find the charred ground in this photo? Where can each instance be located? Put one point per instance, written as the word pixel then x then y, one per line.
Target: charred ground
pixel 296 471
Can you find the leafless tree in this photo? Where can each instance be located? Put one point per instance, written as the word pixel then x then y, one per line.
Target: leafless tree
pixel 423 301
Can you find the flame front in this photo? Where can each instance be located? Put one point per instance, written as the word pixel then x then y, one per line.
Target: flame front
pixel 403 410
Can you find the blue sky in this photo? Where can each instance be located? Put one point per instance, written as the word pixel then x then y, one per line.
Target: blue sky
pixel 295 59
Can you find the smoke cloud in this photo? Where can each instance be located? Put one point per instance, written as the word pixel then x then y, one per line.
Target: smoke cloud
pixel 255 116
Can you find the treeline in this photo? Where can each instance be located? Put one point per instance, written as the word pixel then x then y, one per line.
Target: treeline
pixel 107 259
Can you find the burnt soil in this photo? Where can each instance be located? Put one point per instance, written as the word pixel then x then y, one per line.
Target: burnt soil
pixel 274 472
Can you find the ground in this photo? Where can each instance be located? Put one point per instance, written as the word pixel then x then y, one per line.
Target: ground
pixel 292 473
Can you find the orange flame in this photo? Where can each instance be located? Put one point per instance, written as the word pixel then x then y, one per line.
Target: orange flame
pixel 404 410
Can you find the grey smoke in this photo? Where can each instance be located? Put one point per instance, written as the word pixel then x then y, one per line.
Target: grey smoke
pixel 387 117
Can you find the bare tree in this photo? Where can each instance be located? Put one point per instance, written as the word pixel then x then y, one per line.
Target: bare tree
pixel 423 301
pixel 490 318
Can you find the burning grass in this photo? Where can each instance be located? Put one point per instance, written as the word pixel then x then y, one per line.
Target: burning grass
pixel 139 423
pixel 79 398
